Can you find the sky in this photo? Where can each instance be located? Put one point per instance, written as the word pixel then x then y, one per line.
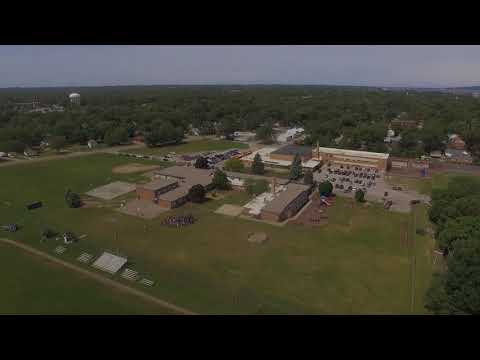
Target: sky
pixel 101 65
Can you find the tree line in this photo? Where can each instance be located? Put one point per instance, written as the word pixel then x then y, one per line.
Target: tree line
pixel 347 117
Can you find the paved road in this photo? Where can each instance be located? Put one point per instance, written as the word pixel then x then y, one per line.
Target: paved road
pixel 111 150
pixel 100 278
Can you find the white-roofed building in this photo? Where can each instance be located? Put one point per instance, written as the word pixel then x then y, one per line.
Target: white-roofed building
pixel 290 134
pixel 351 157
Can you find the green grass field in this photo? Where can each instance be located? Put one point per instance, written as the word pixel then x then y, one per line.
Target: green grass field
pixel 192 147
pixel 356 264
pixel 34 286
pixel 422 185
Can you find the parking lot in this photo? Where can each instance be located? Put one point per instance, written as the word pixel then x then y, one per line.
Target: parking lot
pixel 346 180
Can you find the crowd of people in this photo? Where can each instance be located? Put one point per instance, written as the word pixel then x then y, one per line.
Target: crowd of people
pixel 179 220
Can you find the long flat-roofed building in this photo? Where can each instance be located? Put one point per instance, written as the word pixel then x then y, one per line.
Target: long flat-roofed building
pixel 282 157
pixel 152 190
pixel 351 157
pixel 286 203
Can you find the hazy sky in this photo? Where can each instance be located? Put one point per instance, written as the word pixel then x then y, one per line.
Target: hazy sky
pixel 338 65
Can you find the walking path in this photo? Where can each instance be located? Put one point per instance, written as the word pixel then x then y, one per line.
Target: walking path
pixel 100 278
pixel 111 150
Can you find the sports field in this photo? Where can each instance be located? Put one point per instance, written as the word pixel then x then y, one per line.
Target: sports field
pixel 192 147
pixel 31 285
pixel 357 264
pixel 422 185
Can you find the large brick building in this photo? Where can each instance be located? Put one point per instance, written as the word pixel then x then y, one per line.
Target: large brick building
pixel 154 189
pixel 286 204
pixel 351 157
pixel 288 153
pixel 170 186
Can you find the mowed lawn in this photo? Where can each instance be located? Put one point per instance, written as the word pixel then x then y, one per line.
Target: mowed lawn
pixel 34 286
pixel 192 147
pixel 423 185
pixel 357 264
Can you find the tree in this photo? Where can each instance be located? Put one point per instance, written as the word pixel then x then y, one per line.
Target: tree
pixel 72 199
pixel 220 180
pixel 257 165
pixel 116 136
pixel 265 133
pixel 234 165
pixel 256 187
pixel 57 142
pixel 325 188
pixel 295 168
pixel 308 178
pixel 461 228
pixel 12 146
pixel 201 163
pixel 457 291
pixel 196 193
pixel 359 196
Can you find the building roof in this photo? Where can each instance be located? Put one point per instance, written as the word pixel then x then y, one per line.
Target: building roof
pixel 283 199
pixel 188 174
pixel 237 175
pixel 157 184
pixel 175 194
pixel 457 154
pixel 357 153
pixel 267 160
pixel 293 150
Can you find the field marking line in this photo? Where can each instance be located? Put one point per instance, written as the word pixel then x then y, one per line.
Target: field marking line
pixel 100 278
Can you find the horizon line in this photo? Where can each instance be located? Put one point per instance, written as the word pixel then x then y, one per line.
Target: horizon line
pixel 236 84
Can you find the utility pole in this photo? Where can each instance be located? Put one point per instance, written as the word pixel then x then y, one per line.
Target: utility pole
pixel 413 262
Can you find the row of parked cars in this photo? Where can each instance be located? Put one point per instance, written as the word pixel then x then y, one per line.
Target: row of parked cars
pixel 216 157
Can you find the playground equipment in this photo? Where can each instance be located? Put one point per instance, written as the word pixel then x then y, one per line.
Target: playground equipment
pixel 10 227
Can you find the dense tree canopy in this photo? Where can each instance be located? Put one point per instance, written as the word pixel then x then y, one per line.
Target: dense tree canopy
pixel 257 166
pixel 456 213
pixel 349 117
pixel 234 165
pixel 295 168
pixel 256 187
pixel 220 180
pixel 325 188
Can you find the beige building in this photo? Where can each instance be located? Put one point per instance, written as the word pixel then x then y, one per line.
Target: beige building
pixel 351 157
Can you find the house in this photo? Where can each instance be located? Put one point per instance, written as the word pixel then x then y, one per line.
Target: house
pixel 91 144
pixel 456 142
pixel 30 152
pixel 436 154
pixel 290 134
pixel 458 156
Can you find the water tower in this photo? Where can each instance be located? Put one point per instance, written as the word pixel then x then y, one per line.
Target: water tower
pixel 74 98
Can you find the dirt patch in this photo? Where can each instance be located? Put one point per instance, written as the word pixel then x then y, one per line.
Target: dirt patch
pixel 133 168
pixel 143 209
pixel 229 210
pixel 314 214
pixel 257 238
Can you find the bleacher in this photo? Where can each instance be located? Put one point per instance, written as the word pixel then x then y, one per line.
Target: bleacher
pixel 85 258
pixel 130 274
